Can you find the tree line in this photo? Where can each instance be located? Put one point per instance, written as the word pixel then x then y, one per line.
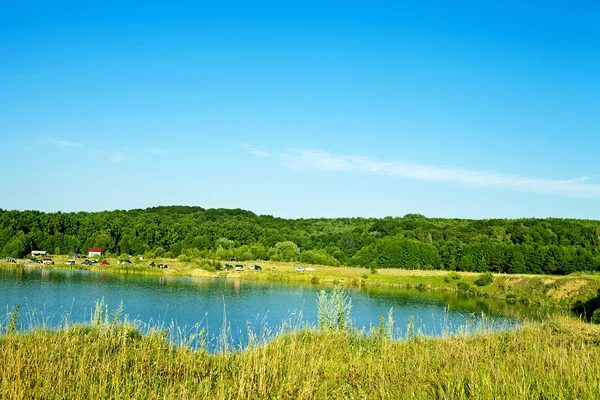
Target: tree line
pixel 532 245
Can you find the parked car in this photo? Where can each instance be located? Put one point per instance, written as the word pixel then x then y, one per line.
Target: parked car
pixel 95 261
pixel 152 264
pixel 124 262
pixel 70 262
pixel 233 259
pixel 239 267
pixel 299 269
pixel 32 260
pixel 256 267
pixel 228 266
pixel 163 266
pixel 48 261
pixel 10 260
pixel 86 262
pixel 104 262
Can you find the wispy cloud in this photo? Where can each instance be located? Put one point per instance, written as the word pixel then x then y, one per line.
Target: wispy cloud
pixel 117 157
pixel 154 150
pixel 64 143
pixel 318 160
pixel 256 151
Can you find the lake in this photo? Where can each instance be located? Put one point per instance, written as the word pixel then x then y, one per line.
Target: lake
pixel 51 297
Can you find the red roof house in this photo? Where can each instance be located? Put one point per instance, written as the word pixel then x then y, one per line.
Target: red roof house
pixel 94 251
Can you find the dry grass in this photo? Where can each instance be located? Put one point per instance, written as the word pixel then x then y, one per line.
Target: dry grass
pixel 568 289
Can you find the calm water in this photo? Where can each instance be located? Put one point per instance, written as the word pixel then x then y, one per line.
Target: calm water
pixel 50 297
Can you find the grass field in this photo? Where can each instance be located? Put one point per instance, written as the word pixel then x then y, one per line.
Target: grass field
pixel 554 359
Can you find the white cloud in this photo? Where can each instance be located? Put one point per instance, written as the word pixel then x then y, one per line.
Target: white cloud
pixel 318 160
pixel 154 150
pixel 117 157
pixel 64 143
pixel 256 151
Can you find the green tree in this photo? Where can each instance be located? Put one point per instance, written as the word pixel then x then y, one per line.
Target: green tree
pixel 347 244
pixel 517 263
pixel 224 243
pixel 287 251
pixel 16 247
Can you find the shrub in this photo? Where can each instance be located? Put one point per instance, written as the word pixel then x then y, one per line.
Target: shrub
pixel 485 279
pixel 334 309
pixel 596 317
pixel 511 297
pixel 452 276
pixel 318 257
pixel 209 265
pixel 184 258
pixel 463 286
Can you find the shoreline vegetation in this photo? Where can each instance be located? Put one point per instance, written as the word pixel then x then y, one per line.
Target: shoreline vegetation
pixel 561 291
pixel 555 358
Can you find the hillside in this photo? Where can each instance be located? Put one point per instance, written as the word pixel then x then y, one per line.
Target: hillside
pixel 539 246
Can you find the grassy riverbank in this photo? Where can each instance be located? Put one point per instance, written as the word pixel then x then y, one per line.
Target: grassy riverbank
pixel 554 359
pixel 547 290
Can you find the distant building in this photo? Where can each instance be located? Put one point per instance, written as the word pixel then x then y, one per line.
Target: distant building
pixel 37 253
pixel 94 251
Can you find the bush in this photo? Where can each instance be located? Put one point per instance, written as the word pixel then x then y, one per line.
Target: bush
pixel 184 258
pixel 452 276
pixel 485 279
pixel 463 286
pixel 209 265
pixel 334 310
pixel 511 297
pixel 319 257
pixel 596 317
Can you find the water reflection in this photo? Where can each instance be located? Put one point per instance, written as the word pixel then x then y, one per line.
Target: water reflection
pixel 191 302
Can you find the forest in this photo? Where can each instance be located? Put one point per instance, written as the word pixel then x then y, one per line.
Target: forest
pixel 532 245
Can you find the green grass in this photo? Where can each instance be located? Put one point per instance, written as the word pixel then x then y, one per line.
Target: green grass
pixel 554 359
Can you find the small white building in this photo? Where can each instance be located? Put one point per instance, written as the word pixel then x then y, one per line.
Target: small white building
pixel 94 251
pixel 37 253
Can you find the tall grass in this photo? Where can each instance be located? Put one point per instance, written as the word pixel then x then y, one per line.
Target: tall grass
pixel 110 358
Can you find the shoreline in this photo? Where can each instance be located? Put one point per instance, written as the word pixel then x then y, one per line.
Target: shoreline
pixel 545 290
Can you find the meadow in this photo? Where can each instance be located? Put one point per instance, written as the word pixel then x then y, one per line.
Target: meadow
pixel 553 359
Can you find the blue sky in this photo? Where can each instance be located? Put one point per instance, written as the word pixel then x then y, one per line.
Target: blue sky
pixel 315 109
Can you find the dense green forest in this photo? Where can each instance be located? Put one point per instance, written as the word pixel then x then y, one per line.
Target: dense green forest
pixel 541 246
